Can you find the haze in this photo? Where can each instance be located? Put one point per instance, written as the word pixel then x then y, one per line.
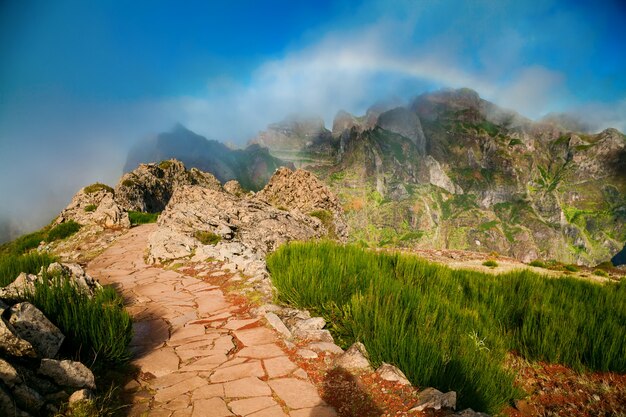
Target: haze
pixel 81 82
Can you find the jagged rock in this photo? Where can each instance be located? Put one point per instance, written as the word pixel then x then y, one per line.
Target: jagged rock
pixel 96 207
pixel 81 395
pixel 150 187
pixel 233 187
pixel 77 275
pixel 468 412
pixel 15 291
pixel 313 335
pixel 404 122
pixel 278 324
pixel 435 399
pixel 355 358
pixel 256 224
pixel 68 373
pixel 8 374
pixel 300 190
pixel 31 325
pixel 431 172
pixel 389 372
pixel 10 344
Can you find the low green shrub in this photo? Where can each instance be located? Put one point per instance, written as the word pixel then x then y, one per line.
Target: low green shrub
pixel 25 243
pixel 490 263
pixel 207 238
pixel 606 266
pixel 452 329
pixel 11 265
pixel 91 207
pixel 600 273
pixel 138 217
pixel 571 268
pixel 98 328
pixel 94 188
pixel 128 183
pixel 326 217
pixel 62 230
pixel 165 164
pixel 537 263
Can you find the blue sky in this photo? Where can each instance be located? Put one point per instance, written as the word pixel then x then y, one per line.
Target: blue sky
pixel 81 81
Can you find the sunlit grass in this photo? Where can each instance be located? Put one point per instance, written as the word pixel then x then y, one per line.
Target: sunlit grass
pixel 452 329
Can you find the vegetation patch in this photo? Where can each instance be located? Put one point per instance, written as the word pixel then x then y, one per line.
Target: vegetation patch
pixel 490 263
pixel 62 230
pixel 452 329
pixel 97 327
pixel 600 273
pixel 91 208
pixel 94 188
pixel 207 238
pixel 137 217
pixel 24 243
pixel 165 164
pixel 11 265
pixel 326 217
pixel 538 263
pixel 128 183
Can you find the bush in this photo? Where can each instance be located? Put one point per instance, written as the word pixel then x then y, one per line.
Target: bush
pixel 128 183
pixel 94 188
pixel 537 263
pixel 138 217
pixel 451 329
pixel 326 217
pixel 11 265
pixel 207 238
pixel 98 328
pixel 571 268
pixel 63 230
pixel 90 208
pixel 600 273
pixel 490 263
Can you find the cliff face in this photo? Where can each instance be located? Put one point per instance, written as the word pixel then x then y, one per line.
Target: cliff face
pixel 452 170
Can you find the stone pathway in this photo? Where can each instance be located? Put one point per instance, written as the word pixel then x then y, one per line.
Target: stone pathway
pixel 200 355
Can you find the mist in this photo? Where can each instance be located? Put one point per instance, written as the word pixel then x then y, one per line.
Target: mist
pixel 53 140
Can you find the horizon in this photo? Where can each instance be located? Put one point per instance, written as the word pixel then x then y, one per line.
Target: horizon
pixel 82 83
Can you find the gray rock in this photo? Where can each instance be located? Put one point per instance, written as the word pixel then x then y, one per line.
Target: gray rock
pixel 355 359
pixel 12 345
pixel 14 292
pixel 306 354
pixel 315 323
pixel 68 373
pixel 77 275
pixel 277 324
pixel 31 325
pixel 107 212
pixel 8 407
pixel 27 398
pixel 391 373
pixel 314 335
pixel 8 374
pixel 435 399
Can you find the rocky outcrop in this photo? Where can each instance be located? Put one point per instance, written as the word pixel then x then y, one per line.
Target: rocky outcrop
pixel 150 187
pixel 432 173
pixel 32 381
pixel 233 187
pixel 405 123
pixel 301 191
pixel 95 205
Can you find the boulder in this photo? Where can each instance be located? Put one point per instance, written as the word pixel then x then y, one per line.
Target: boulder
pixel 8 374
pixel 8 407
pixel 278 324
pixel 95 205
pixel 68 373
pixel 77 274
pixel 150 187
pixel 314 323
pixel 27 398
pixel 300 190
pixel 81 395
pixel 355 358
pixel 435 399
pixel 10 344
pixel 15 291
pixel 31 325
pixel 391 373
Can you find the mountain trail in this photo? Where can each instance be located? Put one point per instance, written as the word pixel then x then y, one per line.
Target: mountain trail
pixel 200 353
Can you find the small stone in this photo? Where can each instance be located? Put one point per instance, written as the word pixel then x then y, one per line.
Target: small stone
pixel 435 399
pixel 81 395
pixel 278 324
pixel 470 413
pixel 391 373
pixel 315 323
pixel 306 354
pixel 355 359
pixel 325 347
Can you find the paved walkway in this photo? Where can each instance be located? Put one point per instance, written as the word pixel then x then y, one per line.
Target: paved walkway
pixel 200 355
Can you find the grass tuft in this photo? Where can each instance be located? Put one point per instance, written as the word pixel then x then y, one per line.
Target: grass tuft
pixel 11 265
pixel 452 329
pixel 94 188
pixel 207 238
pixel 490 263
pixel 138 217
pixel 91 208
pixel 63 230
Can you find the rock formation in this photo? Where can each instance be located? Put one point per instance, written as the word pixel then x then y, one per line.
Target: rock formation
pixel 149 187
pixel 95 205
